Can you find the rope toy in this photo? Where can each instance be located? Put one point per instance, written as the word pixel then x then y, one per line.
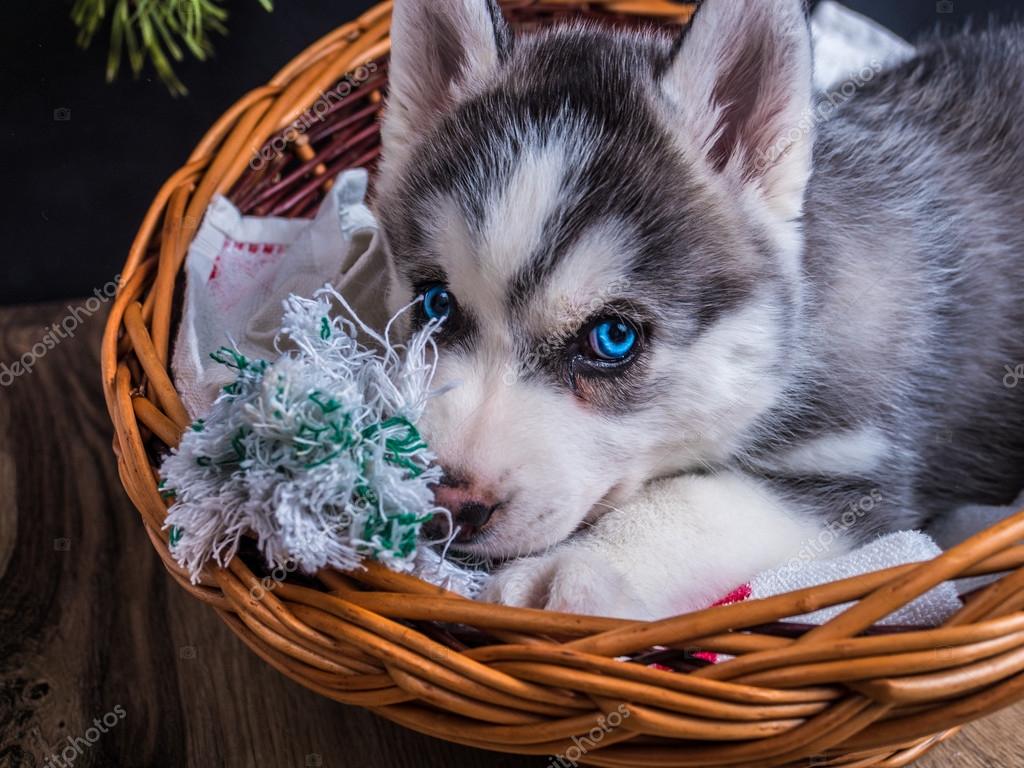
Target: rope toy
pixel 316 454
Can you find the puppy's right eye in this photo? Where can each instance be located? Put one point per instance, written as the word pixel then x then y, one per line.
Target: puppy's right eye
pixel 612 340
pixel 438 303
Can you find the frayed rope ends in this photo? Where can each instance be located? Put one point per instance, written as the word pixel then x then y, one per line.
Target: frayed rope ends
pixel 315 453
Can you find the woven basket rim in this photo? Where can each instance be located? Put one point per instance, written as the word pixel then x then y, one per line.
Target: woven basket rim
pixel 377 638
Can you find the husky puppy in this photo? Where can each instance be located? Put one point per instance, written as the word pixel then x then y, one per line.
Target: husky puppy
pixel 696 329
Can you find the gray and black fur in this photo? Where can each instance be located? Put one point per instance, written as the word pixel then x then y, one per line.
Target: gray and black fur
pixel 918 189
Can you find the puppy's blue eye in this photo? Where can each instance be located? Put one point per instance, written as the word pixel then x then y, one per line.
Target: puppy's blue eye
pixel 613 339
pixel 437 302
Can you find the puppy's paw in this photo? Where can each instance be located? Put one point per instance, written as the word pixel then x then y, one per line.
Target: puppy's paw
pixel 568 580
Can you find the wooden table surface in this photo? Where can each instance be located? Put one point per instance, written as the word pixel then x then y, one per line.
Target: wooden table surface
pixel 100 647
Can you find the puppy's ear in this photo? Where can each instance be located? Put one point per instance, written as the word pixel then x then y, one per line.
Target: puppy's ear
pixel 741 85
pixel 440 51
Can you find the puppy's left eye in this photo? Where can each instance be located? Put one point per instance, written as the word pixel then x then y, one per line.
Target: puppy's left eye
pixel 438 303
pixel 612 340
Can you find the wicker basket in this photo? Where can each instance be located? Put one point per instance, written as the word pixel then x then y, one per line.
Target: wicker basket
pixel 528 681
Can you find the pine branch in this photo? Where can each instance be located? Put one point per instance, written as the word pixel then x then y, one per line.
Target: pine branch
pixel 159 32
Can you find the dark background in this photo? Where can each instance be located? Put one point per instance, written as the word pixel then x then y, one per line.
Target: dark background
pixel 78 188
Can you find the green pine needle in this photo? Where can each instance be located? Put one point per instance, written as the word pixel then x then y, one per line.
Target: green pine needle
pixel 159 32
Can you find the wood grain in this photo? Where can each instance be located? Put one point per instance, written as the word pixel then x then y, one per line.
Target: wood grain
pixel 92 626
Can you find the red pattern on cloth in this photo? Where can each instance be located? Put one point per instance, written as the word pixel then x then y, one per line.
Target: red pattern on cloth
pixel 738 595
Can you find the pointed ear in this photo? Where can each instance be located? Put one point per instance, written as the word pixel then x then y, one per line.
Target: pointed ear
pixel 741 84
pixel 441 50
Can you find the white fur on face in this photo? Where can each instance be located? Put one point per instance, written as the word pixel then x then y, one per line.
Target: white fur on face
pixel 589 277
pixel 533 445
pixel 717 387
pixel 514 227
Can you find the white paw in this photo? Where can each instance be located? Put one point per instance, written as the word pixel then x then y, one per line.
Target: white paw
pixel 568 580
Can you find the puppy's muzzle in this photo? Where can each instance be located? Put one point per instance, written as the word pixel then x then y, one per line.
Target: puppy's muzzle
pixel 470 505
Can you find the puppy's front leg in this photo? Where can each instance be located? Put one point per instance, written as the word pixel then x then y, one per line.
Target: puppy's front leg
pixel 680 545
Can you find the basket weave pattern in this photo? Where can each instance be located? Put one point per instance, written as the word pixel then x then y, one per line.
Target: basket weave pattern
pixel 518 680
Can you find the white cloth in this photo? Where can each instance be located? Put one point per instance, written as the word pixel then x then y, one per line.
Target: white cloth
pixel 887 551
pixel 845 43
pixel 240 269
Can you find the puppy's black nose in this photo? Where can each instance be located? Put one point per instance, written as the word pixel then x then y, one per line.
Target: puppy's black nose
pixel 469 504
pixel 473 514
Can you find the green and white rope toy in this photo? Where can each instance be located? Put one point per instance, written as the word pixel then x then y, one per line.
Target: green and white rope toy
pixel 316 454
